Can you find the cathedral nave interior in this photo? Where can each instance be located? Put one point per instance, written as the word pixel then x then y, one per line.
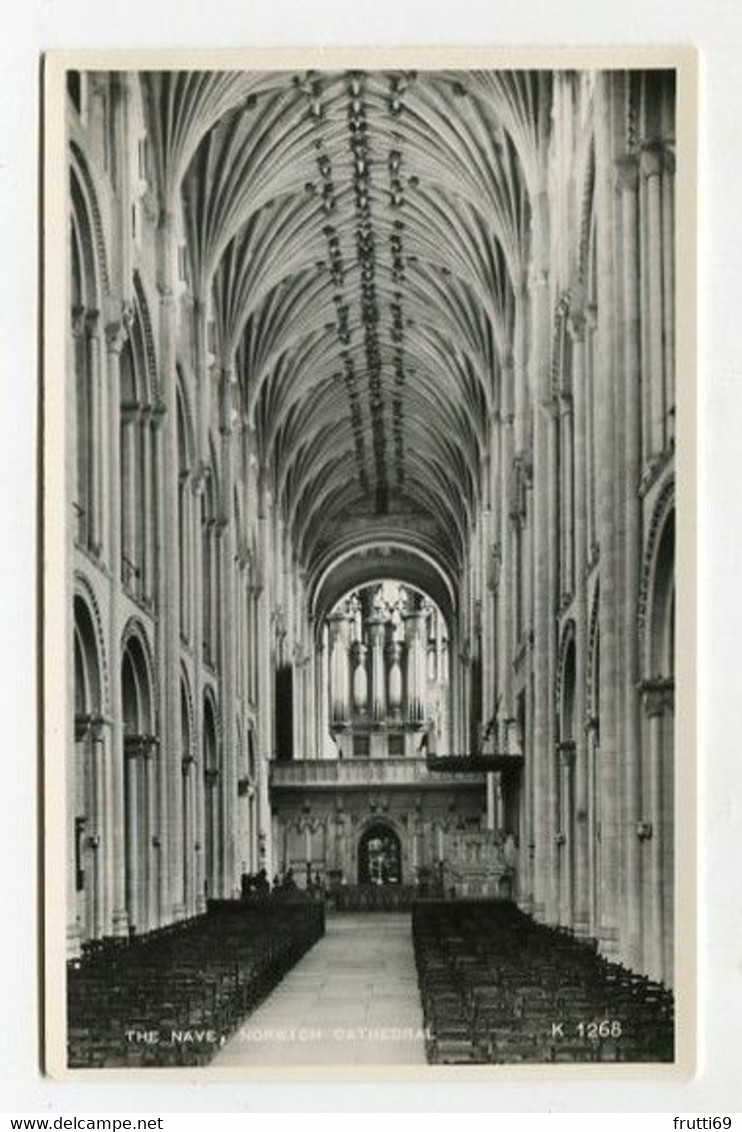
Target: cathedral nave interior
pixel 370 453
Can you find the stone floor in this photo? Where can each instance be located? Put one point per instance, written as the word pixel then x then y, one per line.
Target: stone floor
pixel 352 1000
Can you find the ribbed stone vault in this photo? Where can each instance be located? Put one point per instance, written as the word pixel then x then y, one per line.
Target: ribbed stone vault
pixel 357 240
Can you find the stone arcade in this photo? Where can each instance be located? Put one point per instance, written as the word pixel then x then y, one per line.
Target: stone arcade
pixel 370 454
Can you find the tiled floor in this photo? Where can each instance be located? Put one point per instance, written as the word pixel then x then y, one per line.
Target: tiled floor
pixel 352 1000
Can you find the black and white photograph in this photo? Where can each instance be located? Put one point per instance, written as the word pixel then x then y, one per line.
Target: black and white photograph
pixel 368 434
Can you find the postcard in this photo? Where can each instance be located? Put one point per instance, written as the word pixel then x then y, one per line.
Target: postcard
pixel 369 446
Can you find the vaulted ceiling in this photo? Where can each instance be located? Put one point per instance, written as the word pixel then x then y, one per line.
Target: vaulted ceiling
pixel 359 236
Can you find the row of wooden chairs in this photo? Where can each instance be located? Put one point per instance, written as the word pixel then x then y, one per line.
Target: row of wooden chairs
pixel 173 997
pixel 498 987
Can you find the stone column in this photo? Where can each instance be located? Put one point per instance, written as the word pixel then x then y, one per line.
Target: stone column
pixel 591 475
pixel 98 832
pixel 97 433
pixel 311 706
pixel 657 696
pixel 610 95
pixel 73 934
pixel 266 678
pixel 197 613
pixel 485 539
pixel 528 834
pixel 107 828
pixel 252 854
pixel 153 841
pixel 227 618
pixel 491 660
pixel 651 168
pixel 540 760
pixel 266 849
pixel 567 517
pixel 545 863
pixel 170 895
pixel 147 557
pixel 506 589
pixel 299 670
pixel 542 755
pixel 132 753
pixel 198 568
pixel 499 802
pixel 76 409
pixel 321 692
pixel 582 803
pixel 415 666
pixel 554 887
pixel 593 826
pixel 266 659
pixel 212 831
pixel 630 458
pixel 567 751
pixel 116 333
pixel 186 557
pixel 130 416
pixel 520 396
pixel 216 593
pixel 491 804
pixel 668 282
pixel 189 894
pixel 192 539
